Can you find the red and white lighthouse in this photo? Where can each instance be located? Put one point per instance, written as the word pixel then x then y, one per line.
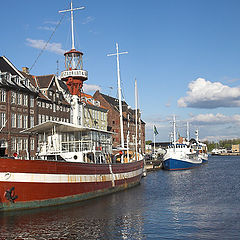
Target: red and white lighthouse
pixel 74 75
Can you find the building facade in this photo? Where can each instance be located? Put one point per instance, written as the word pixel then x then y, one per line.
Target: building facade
pixel 129 123
pixel 17 111
pixel 27 100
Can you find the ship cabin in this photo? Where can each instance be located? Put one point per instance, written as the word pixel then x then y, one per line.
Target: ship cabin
pixel 61 141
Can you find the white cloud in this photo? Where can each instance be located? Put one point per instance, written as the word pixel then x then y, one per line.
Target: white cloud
pixel 41 44
pixel 206 94
pixel 217 138
pixel 51 22
pixel 90 88
pixel 88 20
pixel 46 28
pixel 211 119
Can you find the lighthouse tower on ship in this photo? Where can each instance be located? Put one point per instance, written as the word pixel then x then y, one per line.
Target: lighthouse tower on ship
pixel 74 75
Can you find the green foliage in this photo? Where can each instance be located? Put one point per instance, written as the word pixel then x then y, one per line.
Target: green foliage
pixel 222 144
pixel 148 142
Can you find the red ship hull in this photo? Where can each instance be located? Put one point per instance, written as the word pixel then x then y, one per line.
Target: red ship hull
pixel 35 183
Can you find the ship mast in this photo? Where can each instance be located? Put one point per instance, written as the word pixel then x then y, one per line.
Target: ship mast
pixel 188 134
pixel 119 93
pixel 136 118
pixel 174 131
pixel 74 75
pixel 71 10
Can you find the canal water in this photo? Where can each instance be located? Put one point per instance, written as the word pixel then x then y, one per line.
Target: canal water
pixel 201 203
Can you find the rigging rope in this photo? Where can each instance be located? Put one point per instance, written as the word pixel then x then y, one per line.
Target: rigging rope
pixel 45 46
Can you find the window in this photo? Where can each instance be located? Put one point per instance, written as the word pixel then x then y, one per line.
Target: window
pixel 19 121
pixel 25 143
pixel 19 144
pixel 2 95
pixel 43 104
pixel 19 99
pixel 31 101
pixel 2 119
pixel 25 100
pixel 39 118
pixel 31 121
pixel 25 121
pixel 32 144
pixel 13 97
pixel 13 143
pixel 54 107
pixel 13 120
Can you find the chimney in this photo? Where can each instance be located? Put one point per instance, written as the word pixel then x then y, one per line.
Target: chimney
pixel 25 70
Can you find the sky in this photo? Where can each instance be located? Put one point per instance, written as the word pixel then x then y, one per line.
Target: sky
pixel 183 53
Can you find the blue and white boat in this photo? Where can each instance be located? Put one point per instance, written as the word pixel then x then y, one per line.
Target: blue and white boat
pixel 184 155
pixel 200 148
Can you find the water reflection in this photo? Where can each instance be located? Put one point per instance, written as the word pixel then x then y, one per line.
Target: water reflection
pixel 110 217
pixel 201 203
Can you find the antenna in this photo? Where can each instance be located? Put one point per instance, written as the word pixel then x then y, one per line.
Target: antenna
pixel 71 10
pixel 57 68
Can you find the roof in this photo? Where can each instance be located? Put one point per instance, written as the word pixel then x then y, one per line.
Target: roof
pixel 45 80
pixel 7 66
pixel 87 97
pixel 114 101
pixel 63 85
pixel 30 77
pixel 61 127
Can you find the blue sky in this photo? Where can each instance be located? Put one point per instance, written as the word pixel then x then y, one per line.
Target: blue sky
pixel 183 53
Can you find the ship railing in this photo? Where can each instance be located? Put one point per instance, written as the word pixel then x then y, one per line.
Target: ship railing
pixel 76 146
pixel 73 146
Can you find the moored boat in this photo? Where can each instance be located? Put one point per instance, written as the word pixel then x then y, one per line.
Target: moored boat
pixel 73 163
pixel 181 155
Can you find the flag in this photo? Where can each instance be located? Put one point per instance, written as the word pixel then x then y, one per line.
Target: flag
pixel 155 130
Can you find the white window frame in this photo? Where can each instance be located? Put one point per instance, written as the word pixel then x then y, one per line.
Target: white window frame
pixel 3 95
pixel 13 120
pixel 31 101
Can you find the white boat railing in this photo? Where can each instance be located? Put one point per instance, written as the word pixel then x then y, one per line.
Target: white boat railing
pixel 73 146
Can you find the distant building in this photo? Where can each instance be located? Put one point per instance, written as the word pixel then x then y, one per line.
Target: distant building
pixel 94 115
pixel 236 148
pixel 158 145
pixel 129 126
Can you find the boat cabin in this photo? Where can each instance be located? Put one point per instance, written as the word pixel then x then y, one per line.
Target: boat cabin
pixel 61 141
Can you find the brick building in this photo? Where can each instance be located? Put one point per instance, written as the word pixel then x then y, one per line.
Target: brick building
pixel 129 125
pixel 27 100
pixel 17 109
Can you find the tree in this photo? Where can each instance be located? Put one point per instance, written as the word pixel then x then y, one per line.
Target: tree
pixel 148 142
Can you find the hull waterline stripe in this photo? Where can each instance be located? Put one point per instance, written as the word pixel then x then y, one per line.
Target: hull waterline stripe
pixel 66 178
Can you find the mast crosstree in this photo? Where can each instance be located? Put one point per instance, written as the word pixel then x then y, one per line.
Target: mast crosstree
pixel 74 75
pixel 119 91
pixel 72 10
